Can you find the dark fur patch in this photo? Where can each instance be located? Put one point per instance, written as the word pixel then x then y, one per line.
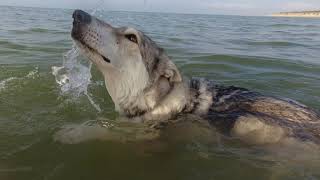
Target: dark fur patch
pixel 134 112
pixel 150 52
pixel 195 86
pixel 155 64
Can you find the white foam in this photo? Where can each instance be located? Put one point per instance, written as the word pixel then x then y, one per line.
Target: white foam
pixel 32 74
pixel 4 82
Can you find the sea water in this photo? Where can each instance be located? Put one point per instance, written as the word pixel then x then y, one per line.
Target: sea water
pixel 273 56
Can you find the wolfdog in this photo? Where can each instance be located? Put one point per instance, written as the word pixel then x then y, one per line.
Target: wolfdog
pixel 147 87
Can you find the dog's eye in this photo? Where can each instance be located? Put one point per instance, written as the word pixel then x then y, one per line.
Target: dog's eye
pixel 132 38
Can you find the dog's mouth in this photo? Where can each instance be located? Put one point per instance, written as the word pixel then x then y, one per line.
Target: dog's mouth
pixel 96 52
pixel 82 19
pixel 81 44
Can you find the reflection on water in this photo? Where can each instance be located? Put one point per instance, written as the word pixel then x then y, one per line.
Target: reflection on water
pixel 192 135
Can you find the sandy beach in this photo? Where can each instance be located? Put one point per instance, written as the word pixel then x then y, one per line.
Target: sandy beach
pixel 312 14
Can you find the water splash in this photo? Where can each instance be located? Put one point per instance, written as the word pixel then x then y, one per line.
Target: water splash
pixel 74 77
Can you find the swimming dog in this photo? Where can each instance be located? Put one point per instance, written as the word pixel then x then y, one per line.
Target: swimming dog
pixel 147 87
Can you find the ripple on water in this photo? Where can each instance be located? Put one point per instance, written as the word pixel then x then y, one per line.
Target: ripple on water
pixel 292 26
pixel 38 31
pixel 275 44
pixel 4 83
pixel 11 48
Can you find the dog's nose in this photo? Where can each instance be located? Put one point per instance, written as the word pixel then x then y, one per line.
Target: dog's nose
pixel 81 16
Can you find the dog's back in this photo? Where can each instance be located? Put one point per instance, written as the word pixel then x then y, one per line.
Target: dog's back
pixel 250 115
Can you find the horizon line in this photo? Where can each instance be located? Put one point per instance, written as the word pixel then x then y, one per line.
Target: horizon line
pixel 137 11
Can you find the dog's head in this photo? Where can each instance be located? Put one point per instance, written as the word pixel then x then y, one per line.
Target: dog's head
pixel 128 59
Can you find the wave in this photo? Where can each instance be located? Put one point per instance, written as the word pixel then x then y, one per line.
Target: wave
pixel 279 44
pixel 4 82
pixel 275 43
pixel 8 47
pixel 293 26
pixel 39 30
pixel 31 74
pixel 11 45
pixel 242 63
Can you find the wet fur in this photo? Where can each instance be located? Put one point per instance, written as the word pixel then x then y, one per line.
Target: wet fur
pixel 254 117
pixel 147 87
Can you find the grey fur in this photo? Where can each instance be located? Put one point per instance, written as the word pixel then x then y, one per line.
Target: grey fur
pixel 162 94
pixel 233 103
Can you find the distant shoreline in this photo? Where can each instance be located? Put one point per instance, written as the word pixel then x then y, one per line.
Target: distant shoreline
pixel 314 14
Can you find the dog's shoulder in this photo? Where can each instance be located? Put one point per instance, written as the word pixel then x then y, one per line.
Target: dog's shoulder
pixel 220 98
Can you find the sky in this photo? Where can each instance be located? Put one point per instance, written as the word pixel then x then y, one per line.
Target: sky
pixel 229 7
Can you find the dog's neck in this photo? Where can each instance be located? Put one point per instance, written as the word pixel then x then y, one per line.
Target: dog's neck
pixel 191 96
pixel 160 100
pixel 125 89
pixel 169 104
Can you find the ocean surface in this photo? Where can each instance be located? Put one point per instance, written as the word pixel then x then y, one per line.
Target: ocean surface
pixel 274 56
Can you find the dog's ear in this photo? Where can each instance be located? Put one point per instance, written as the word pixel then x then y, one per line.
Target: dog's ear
pixel 168 69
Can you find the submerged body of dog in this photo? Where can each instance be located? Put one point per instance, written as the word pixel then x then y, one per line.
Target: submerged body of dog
pixel 147 87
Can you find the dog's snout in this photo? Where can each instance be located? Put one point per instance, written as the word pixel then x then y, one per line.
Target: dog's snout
pixel 81 16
